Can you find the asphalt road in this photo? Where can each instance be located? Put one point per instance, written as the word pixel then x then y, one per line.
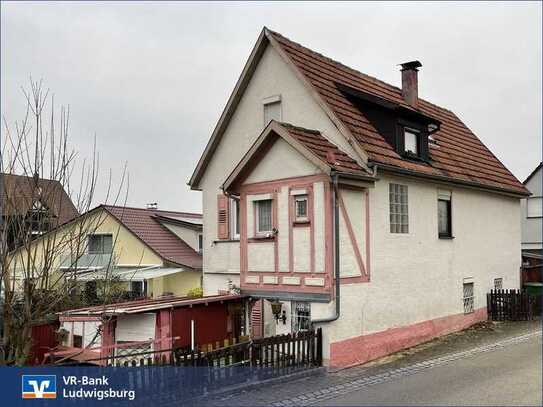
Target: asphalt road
pixel 509 376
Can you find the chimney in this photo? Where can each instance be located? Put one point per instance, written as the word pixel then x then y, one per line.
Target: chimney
pixel 410 83
pixel 152 205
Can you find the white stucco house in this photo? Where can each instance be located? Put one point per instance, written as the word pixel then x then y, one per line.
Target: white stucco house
pixel 362 208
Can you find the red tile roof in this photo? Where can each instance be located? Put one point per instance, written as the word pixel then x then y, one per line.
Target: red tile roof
pixel 315 142
pixel 459 155
pixel 145 225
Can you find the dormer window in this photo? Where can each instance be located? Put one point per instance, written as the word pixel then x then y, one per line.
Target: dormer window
pixel 411 141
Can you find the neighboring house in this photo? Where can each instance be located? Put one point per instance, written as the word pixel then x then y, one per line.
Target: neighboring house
pixel 532 226
pixel 36 204
pixel 149 325
pixel 374 214
pixel 149 252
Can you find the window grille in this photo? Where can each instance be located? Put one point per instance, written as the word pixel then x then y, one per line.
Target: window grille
pixel 301 316
pixel 399 211
pixel 468 298
pixel 498 283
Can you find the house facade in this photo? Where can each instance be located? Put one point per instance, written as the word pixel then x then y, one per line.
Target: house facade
pixel 531 211
pixel 143 252
pixel 355 205
pixel 532 227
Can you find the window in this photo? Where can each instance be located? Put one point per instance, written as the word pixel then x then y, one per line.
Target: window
pixel 444 214
pixel 200 243
pixel 301 316
pixel 100 244
pixel 411 141
pixel 264 216
pixel 468 298
pixel 399 218
pixel 272 109
pixel 498 283
pixel 234 218
pixel 77 341
pixel 300 203
pixel 534 207
pixel 37 219
pixel 137 288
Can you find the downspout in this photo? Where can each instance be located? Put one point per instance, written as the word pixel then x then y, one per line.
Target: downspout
pixel 334 317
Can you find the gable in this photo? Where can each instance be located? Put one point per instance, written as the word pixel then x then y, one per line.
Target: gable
pixel 281 161
pixel 534 181
pixel 243 121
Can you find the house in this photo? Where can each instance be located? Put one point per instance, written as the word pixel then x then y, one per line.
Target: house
pixel 35 204
pixel 147 326
pixel 143 252
pixel 335 200
pixel 532 227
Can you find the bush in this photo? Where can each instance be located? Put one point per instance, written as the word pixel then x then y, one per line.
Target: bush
pixel 196 292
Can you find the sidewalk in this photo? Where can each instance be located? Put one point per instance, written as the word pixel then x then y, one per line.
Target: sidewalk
pixel 482 337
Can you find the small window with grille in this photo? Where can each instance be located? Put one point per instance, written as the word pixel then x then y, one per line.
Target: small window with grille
pixel 301 208
pixel 301 316
pixel 399 211
pixel 468 298
pixel 498 283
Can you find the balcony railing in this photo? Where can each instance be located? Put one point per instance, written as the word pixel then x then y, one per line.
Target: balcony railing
pixel 85 261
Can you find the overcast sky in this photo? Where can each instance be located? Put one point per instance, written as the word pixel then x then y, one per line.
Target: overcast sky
pixel 151 79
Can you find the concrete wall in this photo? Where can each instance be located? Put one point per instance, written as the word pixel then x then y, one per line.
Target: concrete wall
pixel 532 227
pixel 272 77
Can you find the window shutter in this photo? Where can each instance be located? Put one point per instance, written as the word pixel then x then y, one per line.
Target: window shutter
pixel 256 320
pixel 222 217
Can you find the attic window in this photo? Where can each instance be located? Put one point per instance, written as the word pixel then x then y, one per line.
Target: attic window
pixel 411 141
pixel 272 109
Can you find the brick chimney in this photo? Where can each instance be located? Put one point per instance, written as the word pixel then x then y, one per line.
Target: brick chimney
pixel 410 82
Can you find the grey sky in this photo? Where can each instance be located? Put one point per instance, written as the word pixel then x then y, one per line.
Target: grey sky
pixel 150 79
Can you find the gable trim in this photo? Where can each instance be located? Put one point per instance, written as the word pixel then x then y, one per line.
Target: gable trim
pixel 260 144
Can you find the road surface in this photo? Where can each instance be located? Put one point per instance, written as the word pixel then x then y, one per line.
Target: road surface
pixel 507 376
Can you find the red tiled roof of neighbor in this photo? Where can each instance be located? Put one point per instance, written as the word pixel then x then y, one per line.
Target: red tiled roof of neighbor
pixel 314 141
pixel 143 223
pixel 459 155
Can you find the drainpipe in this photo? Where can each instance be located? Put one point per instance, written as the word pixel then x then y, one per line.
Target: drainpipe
pixel 334 317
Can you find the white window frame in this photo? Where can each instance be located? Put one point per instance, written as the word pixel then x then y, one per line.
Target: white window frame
pixel 234 218
pixel 269 103
pixel 297 200
pixel 398 210
pixel 257 217
pixel 416 134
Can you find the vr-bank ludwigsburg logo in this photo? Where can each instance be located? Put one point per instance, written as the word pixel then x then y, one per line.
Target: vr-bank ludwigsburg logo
pixel 39 387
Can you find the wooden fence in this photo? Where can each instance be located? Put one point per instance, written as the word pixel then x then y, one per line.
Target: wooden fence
pixel 301 349
pixel 510 305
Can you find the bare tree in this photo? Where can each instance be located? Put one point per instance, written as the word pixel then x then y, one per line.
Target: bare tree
pixel 41 249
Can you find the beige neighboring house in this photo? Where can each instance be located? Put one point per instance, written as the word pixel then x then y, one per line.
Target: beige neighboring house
pixel 354 204
pixel 150 252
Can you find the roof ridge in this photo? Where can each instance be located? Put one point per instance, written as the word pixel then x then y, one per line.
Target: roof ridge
pixel 150 210
pixel 373 78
